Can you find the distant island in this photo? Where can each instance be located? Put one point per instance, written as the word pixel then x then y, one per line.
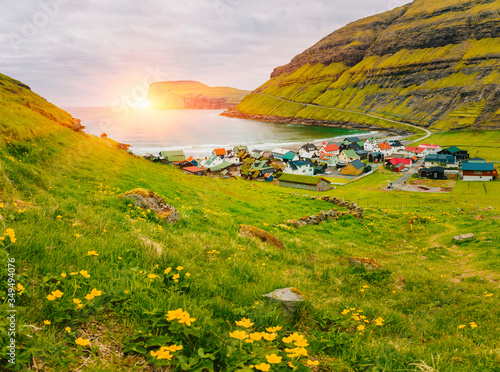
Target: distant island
pixel 193 95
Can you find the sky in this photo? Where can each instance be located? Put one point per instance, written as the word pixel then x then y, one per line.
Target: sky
pixel 106 53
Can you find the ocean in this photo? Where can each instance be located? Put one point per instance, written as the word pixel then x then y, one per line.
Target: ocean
pixel 197 132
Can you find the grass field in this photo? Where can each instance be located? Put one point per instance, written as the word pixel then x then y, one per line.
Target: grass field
pixel 99 283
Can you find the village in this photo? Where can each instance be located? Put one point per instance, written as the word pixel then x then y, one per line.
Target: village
pixel 319 168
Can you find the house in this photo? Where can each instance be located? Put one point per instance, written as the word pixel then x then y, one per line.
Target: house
pixel 302 167
pixel 193 161
pixel 435 173
pixel 392 162
pixel 279 153
pixel 290 156
pixel 354 168
pixel 409 150
pixel 384 148
pixel 221 153
pixel 304 182
pixel 331 160
pixel 172 156
pixel 183 164
pixel 233 158
pixel 239 148
pixel 361 153
pixel 369 143
pixel 474 160
pixel 308 151
pixel 479 172
pixel 399 167
pixel 396 145
pixel 195 170
pixel 220 168
pixel 376 157
pixel 347 156
pixel 269 177
pixel 256 154
pixel 456 152
pixel 262 167
pixel 448 161
pixel 427 149
pixel 211 161
pixel 352 139
pixel 329 149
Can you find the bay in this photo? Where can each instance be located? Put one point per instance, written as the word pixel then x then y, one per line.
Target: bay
pixel 197 132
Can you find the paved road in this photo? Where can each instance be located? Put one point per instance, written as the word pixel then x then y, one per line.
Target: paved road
pixel 428 133
pixel 407 175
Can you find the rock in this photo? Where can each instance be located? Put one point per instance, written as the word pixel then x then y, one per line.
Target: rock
pixel 289 298
pixel 147 199
pixel 254 232
pixel 464 237
pixel 369 263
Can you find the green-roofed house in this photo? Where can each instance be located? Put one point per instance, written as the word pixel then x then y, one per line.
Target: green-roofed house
pixel 347 156
pixel 172 156
pixel 290 156
pixel 297 181
pixel 262 167
pixel 237 149
pixel 220 168
pixel 456 152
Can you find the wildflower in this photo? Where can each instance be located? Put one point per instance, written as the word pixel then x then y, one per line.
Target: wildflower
pixel 174 348
pixel 11 234
pixel 67 329
pixel 186 318
pixel 63 275
pixel 82 342
pixel 57 293
pixel 77 301
pixel 75 273
pixel 273 329
pixel 85 274
pixel 249 341
pixel 167 270
pixel 263 367
pixel 174 314
pixel 95 292
pixel 59 217
pixel 244 323
pixel 188 274
pixel 312 363
pixel 461 326
pixel 151 276
pixel 273 359
pixel 162 353
pixel 301 343
pixel 269 336
pixel 296 352
pixel 77 235
pixel 176 277
pixel 179 268
pixel 488 295
pixel 119 258
pixel 89 297
pixel 361 328
pixel 19 287
pixel 47 322
pixel 92 253
pixel 239 335
pixel 366 286
pixel 290 364
pixel 256 336
pixel 473 324
pixel 346 311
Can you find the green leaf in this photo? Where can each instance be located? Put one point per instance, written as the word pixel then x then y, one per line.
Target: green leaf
pixel 158 341
pixel 135 347
pixel 201 353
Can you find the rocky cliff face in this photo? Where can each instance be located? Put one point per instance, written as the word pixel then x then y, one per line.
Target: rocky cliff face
pixel 431 63
pixel 193 95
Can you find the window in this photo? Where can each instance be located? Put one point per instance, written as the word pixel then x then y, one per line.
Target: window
pixel 478 172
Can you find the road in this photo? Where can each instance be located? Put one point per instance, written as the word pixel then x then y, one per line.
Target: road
pixel 427 132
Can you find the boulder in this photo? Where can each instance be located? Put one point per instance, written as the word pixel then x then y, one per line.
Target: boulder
pixel 147 199
pixel 369 263
pixel 464 237
pixel 264 236
pixel 289 298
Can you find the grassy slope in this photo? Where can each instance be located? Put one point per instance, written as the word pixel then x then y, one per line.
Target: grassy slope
pixel 78 177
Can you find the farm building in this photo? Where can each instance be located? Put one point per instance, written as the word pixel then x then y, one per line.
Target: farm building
pixel 435 173
pixel 479 172
pixel 262 167
pixel 304 182
pixel 474 160
pixel 269 177
pixel 354 168
pixel 195 170
pixel 376 157
pixel 448 161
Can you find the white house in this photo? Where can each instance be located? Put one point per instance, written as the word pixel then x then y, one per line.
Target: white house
pixel 384 148
pixel 332 149
pixel 427 149
pixel 211 161
pixel 369 143
pixel 308 151
pixel 347 156
pixel 279 153
pixel 305 168
pixel 330 159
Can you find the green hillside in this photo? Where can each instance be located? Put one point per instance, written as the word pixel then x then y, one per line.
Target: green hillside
pixel 193 95
pixel 434 64
pixel 88 267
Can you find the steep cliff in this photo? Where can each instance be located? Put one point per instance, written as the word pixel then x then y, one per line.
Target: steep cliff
pixel 193 95
pixel 432 63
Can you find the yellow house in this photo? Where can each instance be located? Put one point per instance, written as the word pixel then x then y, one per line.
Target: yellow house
pixel 354 168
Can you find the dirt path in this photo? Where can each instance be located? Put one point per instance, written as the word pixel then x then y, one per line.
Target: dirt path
pixel 428 133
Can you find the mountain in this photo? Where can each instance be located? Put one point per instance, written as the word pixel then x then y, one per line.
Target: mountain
pixel 434 64
pixel 193 95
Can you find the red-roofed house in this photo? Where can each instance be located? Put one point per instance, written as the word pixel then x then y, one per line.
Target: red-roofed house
pixel 384 148
pixel 425 149
pixel 221 153
pixel 195 170
pixel 329 149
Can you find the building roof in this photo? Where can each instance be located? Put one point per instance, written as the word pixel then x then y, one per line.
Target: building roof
pixel 376 153
pixel 220 152
pixel 448 159
pixel 352 139
pixel 190 158
pixel 167 154
pixel 240 148
pixel 476 160
pixel 220 167
pixel 309 147
pixel 350 154
pixel 289 155
pixel 299 163
pixel 428 146
pixel 478 167
pixel 433 169
pixel 410 148
pixel 260 165
pixel 279 151
pixel 395 161
pixel 358 164
pixel 267 175
pixel 453 149
pixel 384 146
pixel 330 148
pixel 193 169
pixel 297 178
pixel 176 158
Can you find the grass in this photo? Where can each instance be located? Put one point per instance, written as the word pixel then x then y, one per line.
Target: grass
pixel 59 197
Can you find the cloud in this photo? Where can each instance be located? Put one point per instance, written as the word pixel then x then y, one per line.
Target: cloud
pixel 78 53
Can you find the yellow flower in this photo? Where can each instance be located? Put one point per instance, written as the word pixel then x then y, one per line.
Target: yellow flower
pixel 51 297
pixel 75 273
pixel 273 359
pixel 290 364
pixel 269 336
pixel 263 367
pixel 185 318
pixel 361 327
pixel 82 342
pixel 174 348
pixel 77 301
pixel 89 297
pixel 57 293
pixel 167 270
pixel 162 353
pixel 473 324
pixel 79 306
pixel 461 326
pixel 301 343
pixel 179 268
pixel 85 274
pixel 176 277
pixel 488 295
pixel 287 340
pixel 92 253
pixel 59 217
pixel 244 323
pixel 174 314
pixel 273 329
pixel 188 274
pixel 256 336
pixel 249 341
pixel 67 329
pixel 151 276
pixel 77 235
pixel 46 322
pixel 95 292
pixel 19 287
pixel 119 258
pixel 312 363
pixel 63 275
pixel 346 311
pixel 11 234
pixel 240 335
